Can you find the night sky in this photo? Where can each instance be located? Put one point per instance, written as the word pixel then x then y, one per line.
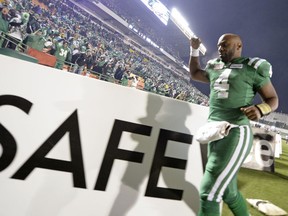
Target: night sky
pixel 262 25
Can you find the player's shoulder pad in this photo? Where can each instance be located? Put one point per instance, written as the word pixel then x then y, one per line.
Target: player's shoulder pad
pixel 262 66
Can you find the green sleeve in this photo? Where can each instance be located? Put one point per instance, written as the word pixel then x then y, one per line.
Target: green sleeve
pixel 263 74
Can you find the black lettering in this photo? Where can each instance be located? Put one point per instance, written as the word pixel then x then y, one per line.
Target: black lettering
pixel 267 155
pixel 161 160
pixel 112 151
pixel 9 145
pixel 75 166
pixel 16 101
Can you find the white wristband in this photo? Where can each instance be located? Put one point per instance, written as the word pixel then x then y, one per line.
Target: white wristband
pixel 194 52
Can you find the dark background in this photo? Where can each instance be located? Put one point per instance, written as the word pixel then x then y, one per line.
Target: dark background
pixel 262 25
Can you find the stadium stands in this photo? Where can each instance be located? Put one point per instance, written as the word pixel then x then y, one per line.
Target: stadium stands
pixel 52 23
pixel 98 47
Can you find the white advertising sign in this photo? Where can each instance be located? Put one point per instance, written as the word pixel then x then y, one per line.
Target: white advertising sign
pixel 262 154
pixel 73 145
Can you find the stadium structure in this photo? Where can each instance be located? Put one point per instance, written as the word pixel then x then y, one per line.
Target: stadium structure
pixel 170 32
pixel 134 36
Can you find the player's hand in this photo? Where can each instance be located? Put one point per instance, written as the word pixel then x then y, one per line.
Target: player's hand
pixel 252 112
pixel 195 42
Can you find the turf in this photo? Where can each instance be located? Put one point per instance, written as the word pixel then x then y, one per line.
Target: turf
pixel 265 185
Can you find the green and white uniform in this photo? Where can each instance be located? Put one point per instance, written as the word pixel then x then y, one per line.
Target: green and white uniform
pixel 233 85
pixel 61 54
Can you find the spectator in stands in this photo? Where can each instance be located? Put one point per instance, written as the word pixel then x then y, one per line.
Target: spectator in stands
pixel 15 33
pixel 4 3
pixel 33 23
pixel 100 65
pixel 35 40
pixel 80 61
pixel 108 70
pixel 4 23
pixel 128 78
pixel 62 53
pixel 119 72
pixel 90 59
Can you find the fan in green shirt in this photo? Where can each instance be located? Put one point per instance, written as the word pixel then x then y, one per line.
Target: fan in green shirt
pixel 3 24
pixel 35 40
pixel 62 52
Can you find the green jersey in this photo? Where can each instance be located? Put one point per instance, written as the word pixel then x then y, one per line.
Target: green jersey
pixel 3 24
pixel 234 85
pixel 35 41
pixel 61 52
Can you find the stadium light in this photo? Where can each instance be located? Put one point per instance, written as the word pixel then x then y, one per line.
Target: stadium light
pixel 183 25
pixel 158 9
pixel 178 16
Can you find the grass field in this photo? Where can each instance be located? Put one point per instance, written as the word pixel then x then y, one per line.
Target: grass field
pixel 265 185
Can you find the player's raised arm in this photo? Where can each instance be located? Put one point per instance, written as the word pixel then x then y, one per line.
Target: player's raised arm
pixel 197 73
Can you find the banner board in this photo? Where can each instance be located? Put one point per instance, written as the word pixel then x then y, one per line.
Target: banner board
pixel 42 57
pixel 263 150
pixel 72 145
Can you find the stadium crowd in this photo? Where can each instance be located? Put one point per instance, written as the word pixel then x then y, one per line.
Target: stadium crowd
pixel 142 26
pixel 83 45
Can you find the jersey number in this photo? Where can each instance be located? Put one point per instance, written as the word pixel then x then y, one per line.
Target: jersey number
pixel 63 52
pixel 221 85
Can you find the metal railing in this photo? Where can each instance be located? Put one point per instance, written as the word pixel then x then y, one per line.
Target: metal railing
pixel 67 66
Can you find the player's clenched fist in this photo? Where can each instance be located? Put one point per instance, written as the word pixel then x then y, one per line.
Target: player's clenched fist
pixel 195 42
pixel 252 112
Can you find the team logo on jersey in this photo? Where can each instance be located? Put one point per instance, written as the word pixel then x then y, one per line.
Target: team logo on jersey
pixel 239 66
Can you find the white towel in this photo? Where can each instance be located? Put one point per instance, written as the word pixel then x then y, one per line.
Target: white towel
pixel 266 207
pixel 212 131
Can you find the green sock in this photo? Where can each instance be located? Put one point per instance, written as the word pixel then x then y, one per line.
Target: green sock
pixel 238 205
pixel 209 208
